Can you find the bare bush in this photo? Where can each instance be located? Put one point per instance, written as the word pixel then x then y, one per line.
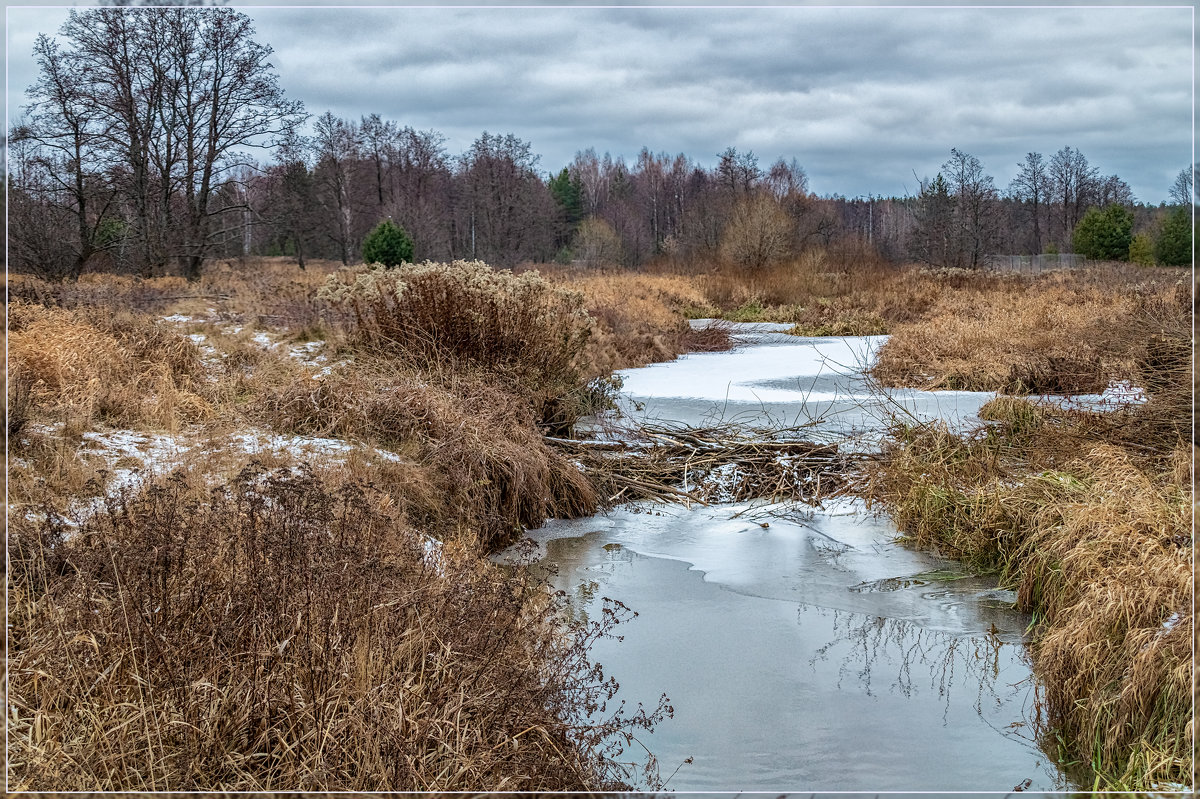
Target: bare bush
pixel 759 233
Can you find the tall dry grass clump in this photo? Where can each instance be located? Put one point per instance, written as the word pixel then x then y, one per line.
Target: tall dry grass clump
pixel 95 366
pixel 279 633
pixel 1060 334
pixel 439 315
pixel 636 318
pixel 478 444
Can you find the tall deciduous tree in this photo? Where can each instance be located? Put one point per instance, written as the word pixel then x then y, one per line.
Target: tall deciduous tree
pixel 1183 189
pixel 173 98
pixel 1031 187
pixel 1073 181
pixel 506 212
pixel 933 211
pixel 336 142
pixel 975 224
pixel 67 148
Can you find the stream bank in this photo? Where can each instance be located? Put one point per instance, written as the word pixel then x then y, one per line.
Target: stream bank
pixel 802 649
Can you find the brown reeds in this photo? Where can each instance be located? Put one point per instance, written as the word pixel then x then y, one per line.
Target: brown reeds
pixel 1087 514
pixel 282 634
pixel 476 442
pixel 91 366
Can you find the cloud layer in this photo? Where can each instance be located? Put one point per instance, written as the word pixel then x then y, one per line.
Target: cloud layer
pixel 863 98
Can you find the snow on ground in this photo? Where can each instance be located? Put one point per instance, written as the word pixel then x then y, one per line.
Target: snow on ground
pixel 128 455
pixel 256 441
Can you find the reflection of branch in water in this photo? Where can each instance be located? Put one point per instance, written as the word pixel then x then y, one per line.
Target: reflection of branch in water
pixel 877 643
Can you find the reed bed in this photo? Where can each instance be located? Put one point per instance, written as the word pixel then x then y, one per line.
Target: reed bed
pixel 1087 514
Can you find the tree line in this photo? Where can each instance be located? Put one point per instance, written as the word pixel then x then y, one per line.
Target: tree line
pixel 137 151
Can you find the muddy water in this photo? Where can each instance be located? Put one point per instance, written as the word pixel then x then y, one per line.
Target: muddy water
pixel 802 649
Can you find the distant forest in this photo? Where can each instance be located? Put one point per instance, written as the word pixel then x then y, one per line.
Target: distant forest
pixel 158 138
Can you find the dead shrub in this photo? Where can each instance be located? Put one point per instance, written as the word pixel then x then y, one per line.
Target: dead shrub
pixel 519 326
pixel 276 635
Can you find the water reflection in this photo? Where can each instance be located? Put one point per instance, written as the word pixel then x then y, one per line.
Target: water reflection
pixel 771 693
pixel 875 650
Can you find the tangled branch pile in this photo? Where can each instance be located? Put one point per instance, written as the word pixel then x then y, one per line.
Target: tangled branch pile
pixel 674 463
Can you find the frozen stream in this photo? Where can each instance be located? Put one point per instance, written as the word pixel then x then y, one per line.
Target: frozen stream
pixel 806 651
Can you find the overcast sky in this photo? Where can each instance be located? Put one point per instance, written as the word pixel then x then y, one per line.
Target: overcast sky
pixel 861 97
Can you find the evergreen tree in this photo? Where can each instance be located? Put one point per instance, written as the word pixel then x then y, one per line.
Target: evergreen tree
pixel 1173 247
pixel 388 244
pixel 1104 235
pixel 568 196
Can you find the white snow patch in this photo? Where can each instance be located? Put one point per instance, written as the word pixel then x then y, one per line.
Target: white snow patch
pixel 263 340
pixel 258 441
pixel 158 453
pixel 306 353
pixel 433 555
pixel 178 317
pixel 732 376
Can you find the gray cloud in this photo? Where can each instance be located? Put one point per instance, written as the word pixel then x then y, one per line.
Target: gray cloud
pixel 861 97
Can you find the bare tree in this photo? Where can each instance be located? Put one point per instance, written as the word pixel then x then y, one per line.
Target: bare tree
pixel 68 149
pixel 422 192
pixel 1031 187
pixel 336 142
pixel 975 225
pixel 173 98
pixel 1183 189
pixel 291 202
pixel 738 173
pixel 1112 190
pixel 506 212
pixel 1073 181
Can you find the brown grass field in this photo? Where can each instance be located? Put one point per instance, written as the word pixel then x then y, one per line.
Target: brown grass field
pixel 224 497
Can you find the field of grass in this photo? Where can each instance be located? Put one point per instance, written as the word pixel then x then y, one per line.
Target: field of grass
pixel 247 527
pixel 248 515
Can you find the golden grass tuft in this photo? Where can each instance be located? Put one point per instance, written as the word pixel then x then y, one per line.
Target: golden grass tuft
pixel 96 367
pixel 477 443
pixel 1060 334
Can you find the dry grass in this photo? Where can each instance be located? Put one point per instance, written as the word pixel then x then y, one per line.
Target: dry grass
pixel 1088 516
pixel 98 367
pixel 636 318
pixel 285 633
pixel 395 677
pixel 1060 334
pixel 477 445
